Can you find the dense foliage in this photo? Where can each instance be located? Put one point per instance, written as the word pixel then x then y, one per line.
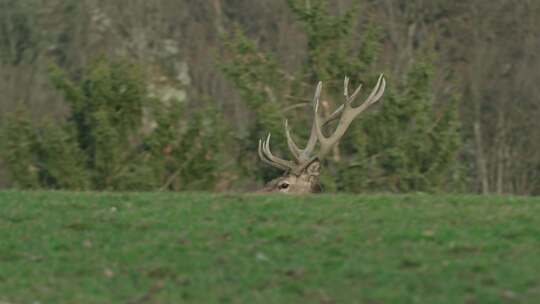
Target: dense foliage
pixel 115 137
pixel 460 111
pixel 408 145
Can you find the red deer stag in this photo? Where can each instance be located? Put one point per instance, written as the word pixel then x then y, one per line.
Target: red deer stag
pixel 302 174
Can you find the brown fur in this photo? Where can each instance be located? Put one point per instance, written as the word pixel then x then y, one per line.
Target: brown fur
pixel 305 182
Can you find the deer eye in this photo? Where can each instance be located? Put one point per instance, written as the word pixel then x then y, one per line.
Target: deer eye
pixel 283 186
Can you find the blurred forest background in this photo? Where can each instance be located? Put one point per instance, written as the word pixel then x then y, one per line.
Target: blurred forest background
pixel 174 94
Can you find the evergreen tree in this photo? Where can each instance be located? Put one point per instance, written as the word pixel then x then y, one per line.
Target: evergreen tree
pixel 409 145
pixel 105 144
pixel 18 143
pixel 405 145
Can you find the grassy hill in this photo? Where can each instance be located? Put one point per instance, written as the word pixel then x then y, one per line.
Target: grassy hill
pixel 58 247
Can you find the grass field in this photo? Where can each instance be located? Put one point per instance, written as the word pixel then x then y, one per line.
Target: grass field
pixel 60 247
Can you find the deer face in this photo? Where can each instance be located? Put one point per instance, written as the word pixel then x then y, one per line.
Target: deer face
pixel 305 182
pixel 302 173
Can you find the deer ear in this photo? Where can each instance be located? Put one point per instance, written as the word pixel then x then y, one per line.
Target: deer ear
pixel 314 168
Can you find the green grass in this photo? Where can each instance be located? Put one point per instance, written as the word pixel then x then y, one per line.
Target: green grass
pixel 60 247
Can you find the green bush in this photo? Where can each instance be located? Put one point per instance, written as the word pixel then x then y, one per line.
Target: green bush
pixel 104 144
pixel 408 145
pixel 18 145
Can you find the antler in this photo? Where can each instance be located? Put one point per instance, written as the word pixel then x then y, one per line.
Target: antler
pixel 269 158
pixel 348 113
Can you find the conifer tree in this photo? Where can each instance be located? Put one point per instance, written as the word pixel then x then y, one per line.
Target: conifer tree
pixel 406 144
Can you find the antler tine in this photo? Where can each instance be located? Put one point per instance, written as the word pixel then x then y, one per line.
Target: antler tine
pixel 276 161
pixel 348 115
pixel 346 87
pixel 265 160
pixel 378 91
pixel 290 142
pixel 313 136
pixel 303 155
pixel 306 154
pixel 349 99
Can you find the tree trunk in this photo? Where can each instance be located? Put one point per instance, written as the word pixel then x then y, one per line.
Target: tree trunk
pixel 480 159
pixel 499 153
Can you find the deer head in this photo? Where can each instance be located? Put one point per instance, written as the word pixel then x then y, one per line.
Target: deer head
pixel 301 175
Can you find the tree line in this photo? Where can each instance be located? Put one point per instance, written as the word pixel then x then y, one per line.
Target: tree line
pixel 174 95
